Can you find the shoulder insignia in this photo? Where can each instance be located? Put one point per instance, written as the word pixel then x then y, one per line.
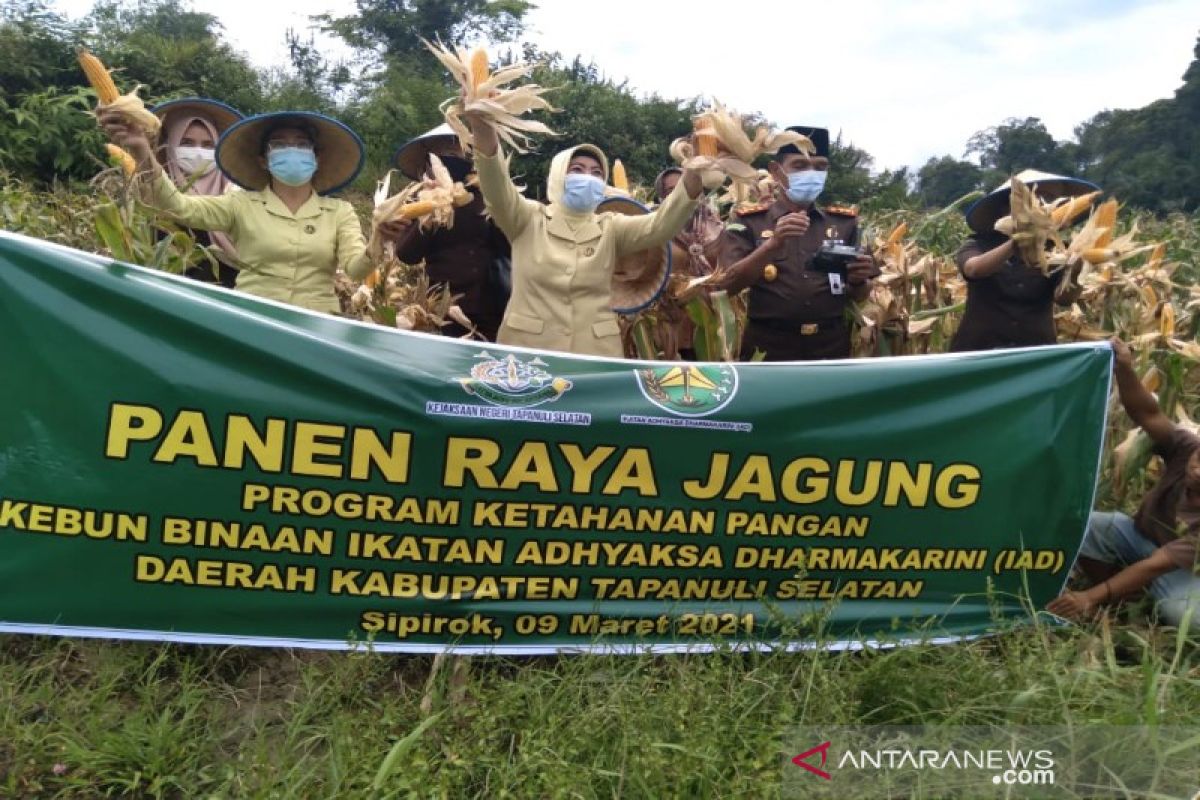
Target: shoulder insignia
pixel 845 211
pixel 748 209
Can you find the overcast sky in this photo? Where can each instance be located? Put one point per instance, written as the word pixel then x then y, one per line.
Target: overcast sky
pixel 903 79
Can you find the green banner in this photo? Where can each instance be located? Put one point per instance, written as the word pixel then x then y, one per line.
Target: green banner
pixel 179 462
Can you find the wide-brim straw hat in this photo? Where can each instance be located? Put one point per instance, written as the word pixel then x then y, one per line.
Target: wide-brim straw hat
pixel 638 278
pixel 340 153
pixel 984 212
pixel 222 116
pixel 413 156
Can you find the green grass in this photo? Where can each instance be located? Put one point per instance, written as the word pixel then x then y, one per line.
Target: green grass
pixel 157 720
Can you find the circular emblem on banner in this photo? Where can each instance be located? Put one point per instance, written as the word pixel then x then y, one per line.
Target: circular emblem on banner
pixel 689 390
pixel 509 381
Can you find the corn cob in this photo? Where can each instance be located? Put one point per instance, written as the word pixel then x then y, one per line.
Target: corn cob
pixel 1098 255
pixel 106 92
pixel 619 179
pixel 1149 297
pixel 1152 380
pixel 1157 255
pixel 98 76
pixel 706 140
pixel 490 95
pixel 1166 320
pixel 416 209
pixel 479 67
pixel 1106 217
pixel 121 158
pixel 1064 213
pixel 897 233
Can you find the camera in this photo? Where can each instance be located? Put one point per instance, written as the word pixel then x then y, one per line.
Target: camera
pixel 835 258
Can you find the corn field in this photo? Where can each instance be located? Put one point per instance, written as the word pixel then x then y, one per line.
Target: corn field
pixel 1148 294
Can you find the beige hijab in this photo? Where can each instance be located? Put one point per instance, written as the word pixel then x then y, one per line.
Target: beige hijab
pixel 213 182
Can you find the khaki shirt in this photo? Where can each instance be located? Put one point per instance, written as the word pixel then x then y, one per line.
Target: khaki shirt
pixel 286 257
pixel 563 262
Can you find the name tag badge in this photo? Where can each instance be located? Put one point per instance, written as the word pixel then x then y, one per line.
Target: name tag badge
pixel 835 284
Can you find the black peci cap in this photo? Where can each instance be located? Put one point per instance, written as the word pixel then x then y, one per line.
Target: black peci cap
pixel 818 136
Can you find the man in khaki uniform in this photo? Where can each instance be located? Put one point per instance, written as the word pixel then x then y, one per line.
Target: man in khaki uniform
pixel 797 312
pixel 564 253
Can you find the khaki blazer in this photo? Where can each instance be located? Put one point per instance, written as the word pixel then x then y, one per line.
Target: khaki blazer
pixel 563 261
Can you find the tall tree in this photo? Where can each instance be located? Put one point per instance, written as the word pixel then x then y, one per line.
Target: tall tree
pixel 1018 144
pixel 943 180
pixel 596 109
pixel 173 51
pixel 393 29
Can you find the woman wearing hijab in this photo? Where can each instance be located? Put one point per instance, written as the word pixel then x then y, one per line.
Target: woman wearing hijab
pixel 289 235
pixel 191 127
pixel 564 253
pixel 1009 303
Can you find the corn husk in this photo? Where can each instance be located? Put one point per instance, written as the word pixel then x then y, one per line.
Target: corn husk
pixel 489 94
pixel 430 202
pixel 735 150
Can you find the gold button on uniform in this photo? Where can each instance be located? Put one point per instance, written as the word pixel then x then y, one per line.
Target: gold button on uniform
pixel 770 272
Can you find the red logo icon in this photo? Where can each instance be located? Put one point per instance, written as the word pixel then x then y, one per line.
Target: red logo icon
pixel 802 760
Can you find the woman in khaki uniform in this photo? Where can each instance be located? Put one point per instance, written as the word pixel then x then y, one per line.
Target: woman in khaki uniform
pixel 564 253
pixel 289 236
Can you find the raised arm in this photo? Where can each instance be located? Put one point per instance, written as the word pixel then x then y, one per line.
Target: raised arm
pixel 195 211
pixel 510 211
pixel 1139 403
pixel 634 234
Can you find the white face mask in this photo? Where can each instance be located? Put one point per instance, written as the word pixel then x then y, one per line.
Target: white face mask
pixel 195 160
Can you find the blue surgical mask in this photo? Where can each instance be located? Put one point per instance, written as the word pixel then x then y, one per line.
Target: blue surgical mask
pixel 294 166
pixel 806 185
pixel 582 193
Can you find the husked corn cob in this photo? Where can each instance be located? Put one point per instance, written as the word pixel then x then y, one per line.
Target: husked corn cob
pixel 479 67
pixel 1149 296
pixel 1166 320
pixel 98 76
pixel 1106 217
pixel 119 156
pixel 416 209
pixel 1063 214
pixel 897 233
pixel 706 140
pixel 130 105
pixel 491 95
pixel 1098 255
pixel 619 179
pixel 1152 380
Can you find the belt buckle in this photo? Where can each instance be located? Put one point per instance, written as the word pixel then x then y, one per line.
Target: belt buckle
pixel 809 329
